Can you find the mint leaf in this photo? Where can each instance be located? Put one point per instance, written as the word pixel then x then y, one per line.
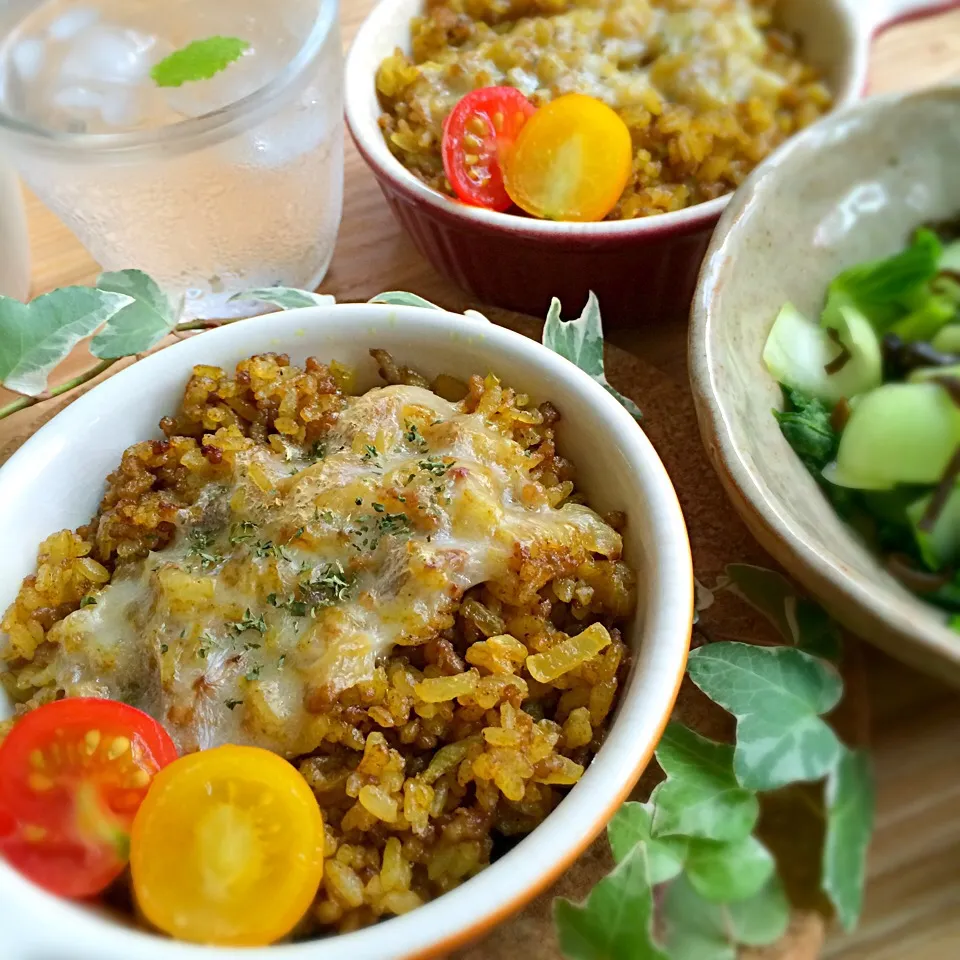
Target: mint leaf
pixel 701 796
pixel 138 326
pixel 36 336
pixel 631 825
pixel 697 929
pixel 850 811
pixel 614 922
pixel 724 872
pixel 199 60
pixel 287 298
pixel 581 342
pixel 800 622
pixel 778 695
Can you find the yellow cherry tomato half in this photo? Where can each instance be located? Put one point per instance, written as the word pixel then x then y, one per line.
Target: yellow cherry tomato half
pixel 571 160
pixel 227 848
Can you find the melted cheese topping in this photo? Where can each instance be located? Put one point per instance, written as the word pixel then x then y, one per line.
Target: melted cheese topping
pixel 288 584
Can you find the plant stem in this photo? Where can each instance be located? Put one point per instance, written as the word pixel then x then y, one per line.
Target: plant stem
pixel 203 324
pixel 23 402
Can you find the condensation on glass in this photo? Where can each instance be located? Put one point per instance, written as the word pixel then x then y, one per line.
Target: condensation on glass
pixel 213 187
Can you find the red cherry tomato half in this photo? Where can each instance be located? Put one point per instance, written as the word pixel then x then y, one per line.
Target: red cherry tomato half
pixel 481 129
pixel 72 776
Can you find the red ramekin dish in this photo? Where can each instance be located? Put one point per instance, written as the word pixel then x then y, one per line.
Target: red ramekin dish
pixel 642 270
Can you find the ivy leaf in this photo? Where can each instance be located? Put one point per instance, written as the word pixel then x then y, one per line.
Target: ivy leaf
pixel 400 298
pixel 694 927
pixel 850 811
pixel 581 342
pixel 817 634
pixel 701 796
pixel 697 929
pixel 761 920
pixel 36 336
pixel 631 825
pixel 725 872
pixel 199 60
pixel 614 922
pixel 799 622
pixel 138 326
pixel 287 298
pixel 778 695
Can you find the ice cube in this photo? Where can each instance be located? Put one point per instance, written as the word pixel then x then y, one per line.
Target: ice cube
pixel 122 107
pixel 78 100
pixel 68 25
pixel 109 55
pixel 28 56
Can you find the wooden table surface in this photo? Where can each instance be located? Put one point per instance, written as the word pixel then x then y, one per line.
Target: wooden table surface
pixel 913 898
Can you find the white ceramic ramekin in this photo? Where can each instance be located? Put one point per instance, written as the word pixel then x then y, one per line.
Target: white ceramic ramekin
pixel 56 479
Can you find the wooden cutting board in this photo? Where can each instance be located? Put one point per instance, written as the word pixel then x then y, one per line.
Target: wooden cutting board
pixel 717 538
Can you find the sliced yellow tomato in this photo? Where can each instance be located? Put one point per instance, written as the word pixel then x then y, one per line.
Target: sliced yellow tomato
pixel 227 848
pixel 571 160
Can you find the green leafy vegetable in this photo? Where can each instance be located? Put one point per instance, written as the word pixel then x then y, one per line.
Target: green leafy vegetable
pixel 900 433
pixel 36 336
pixel 939 543
pixel 927 320
pixel 199 60
pixel 287 298
pixel 701 796
pixel 778 695
pixel 850 812
pixel 840 359
pixel 581 342
pixel 614 923
pixel 882 288
pixel 807 427
pixel 140 325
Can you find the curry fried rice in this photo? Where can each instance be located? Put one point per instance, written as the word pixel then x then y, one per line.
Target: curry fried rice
pixel 458 738
pixel 707 88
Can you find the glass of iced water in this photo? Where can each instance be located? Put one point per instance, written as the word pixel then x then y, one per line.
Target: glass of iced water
pixel 213 187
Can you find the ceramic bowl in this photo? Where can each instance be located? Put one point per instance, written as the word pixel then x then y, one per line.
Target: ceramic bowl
pixel 850 189
pixel 56 481
pixel 644 271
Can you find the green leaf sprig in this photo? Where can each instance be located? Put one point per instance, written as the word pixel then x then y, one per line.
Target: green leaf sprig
pixel 126 314
pixel 692 851
pixel 581 342
pixel 199 60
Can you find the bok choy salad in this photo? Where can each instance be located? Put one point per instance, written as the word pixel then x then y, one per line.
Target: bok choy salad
pixel 872 406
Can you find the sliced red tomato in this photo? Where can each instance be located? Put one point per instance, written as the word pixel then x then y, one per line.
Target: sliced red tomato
pixel 72 776
pixel 477 135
